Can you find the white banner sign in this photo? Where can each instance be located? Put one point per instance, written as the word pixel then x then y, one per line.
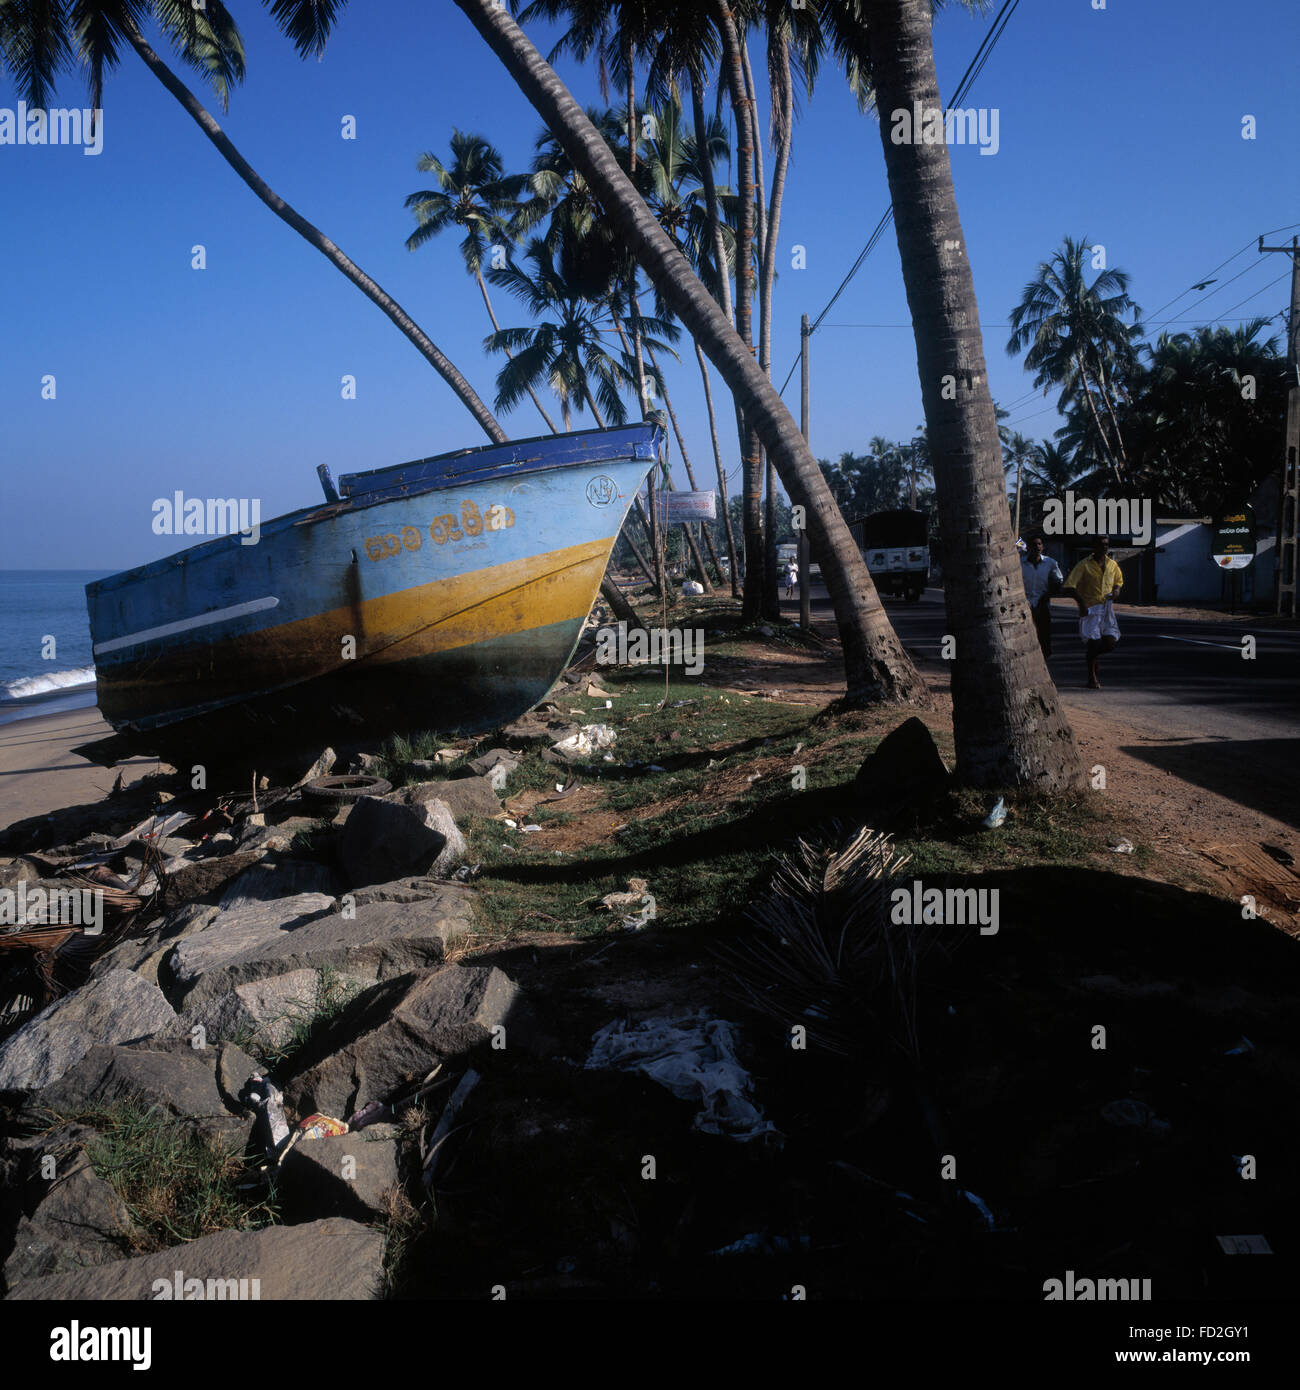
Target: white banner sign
pixel 687 506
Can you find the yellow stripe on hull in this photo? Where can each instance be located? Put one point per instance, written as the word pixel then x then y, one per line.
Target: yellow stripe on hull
pixel 514 597
pixel 441 616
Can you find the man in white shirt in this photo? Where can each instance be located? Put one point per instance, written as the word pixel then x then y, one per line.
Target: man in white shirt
pixel 1043 578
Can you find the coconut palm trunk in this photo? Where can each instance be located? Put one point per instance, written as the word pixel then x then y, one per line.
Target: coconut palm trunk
pixel 876 666
pixel 478 275
pixel 722 473
pixel 724 290
pixel 783 101
pixel 733 65
pixel 619 604
pixel 710 194
pixel 313 235
pixel 1096 419
pixel 1008 725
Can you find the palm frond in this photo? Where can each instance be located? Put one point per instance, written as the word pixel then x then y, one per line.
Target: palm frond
pixel 306 23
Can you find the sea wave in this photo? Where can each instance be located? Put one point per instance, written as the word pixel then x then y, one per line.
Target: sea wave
pixel 25 687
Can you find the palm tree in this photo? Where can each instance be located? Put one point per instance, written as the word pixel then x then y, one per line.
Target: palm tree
pixel 733 69
pixel 876 666
pixel 1008 726
pixel 40 42
pixel 1017 450
pixel 1203 438
pixel 474 193
pixel 566 349
pixel 1077 338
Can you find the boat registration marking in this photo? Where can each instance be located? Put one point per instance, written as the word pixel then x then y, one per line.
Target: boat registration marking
pixel 218 615
pixel 441 530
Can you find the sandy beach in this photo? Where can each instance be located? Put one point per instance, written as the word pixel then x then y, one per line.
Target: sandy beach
pixel 39 773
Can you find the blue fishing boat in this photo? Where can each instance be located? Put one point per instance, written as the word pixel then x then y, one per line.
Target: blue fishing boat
pixel 445 593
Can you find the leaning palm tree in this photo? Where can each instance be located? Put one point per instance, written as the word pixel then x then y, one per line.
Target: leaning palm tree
pixel 41 42
pixel 1075 337
pixel 1008 724
pixel 876 666
pixel 474 193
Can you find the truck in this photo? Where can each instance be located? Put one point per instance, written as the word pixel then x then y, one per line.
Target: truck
pixel 896 548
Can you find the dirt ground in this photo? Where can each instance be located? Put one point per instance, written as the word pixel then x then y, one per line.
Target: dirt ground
pixel 1184 823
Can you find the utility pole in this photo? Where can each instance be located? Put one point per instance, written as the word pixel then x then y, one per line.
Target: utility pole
pixel 1020 468
pixel 1290 500
pixel 805 424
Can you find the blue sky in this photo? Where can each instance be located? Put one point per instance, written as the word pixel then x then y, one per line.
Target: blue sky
pixel 1121 124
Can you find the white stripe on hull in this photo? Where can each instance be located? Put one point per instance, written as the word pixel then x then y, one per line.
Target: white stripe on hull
pixel 218 615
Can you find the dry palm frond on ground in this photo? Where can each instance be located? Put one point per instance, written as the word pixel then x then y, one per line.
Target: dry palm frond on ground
pixel 822 952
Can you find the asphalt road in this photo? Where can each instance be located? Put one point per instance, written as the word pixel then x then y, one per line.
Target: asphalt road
pixel 1202 710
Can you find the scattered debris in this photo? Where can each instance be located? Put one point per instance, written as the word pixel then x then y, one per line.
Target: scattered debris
pixel 321 1127
pixel 345 789
pixel 997 816
pixel 429 1148
pixel 496 765
pixel 153 827
pixel 694 1057
pixel 322 767
pixel 263 1097
pixel 591 738
pixel 636 906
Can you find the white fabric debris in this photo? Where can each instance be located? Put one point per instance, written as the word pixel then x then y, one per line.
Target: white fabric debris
pixel 693 1057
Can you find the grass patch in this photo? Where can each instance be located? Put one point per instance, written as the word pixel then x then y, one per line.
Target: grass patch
pixel 306 1020
pixel 177 1183
pixel 398 752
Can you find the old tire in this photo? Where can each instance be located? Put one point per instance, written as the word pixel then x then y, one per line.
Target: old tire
pixel 346 789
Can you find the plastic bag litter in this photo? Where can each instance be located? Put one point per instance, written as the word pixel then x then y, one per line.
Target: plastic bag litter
pixel 591 738
pixel 694 1057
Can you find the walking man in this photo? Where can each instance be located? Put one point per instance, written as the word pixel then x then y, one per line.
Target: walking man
pixel 791 578
pixel 1093 584
pixel 1042 576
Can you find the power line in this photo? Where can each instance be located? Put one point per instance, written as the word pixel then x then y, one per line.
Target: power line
pixel 973 70
pixel 1254 265
pixel 1258 292
pixel 1202 279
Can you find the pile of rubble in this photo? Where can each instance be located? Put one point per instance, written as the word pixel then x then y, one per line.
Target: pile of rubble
pixel 226 920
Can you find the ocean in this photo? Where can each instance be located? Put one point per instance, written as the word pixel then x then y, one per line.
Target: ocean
pixel 38 676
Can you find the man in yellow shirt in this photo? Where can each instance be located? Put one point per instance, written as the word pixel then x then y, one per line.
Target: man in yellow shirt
pixel 1093 584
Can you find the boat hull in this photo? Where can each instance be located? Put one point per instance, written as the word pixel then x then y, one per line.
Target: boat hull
pixel 434 596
